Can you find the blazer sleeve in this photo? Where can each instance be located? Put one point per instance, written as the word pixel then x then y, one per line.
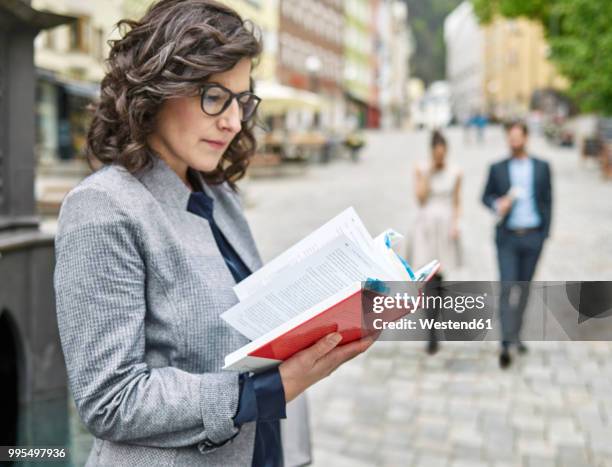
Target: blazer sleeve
pixel 489 195
pixel 101 304
pixel 547 198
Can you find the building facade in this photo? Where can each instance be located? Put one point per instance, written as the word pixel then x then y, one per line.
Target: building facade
pixel 70 64
pixel 264 15
pixel 465 64
pixel 310 51
pixel 496 67
pixel 516 66
pixel 360 68
pixel 394 48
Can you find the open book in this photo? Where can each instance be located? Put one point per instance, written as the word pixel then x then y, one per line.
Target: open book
pixel 313 289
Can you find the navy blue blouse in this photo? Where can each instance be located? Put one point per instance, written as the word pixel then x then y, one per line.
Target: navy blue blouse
pixel 262 397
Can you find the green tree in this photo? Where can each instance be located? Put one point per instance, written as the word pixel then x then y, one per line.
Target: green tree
pixel 579 33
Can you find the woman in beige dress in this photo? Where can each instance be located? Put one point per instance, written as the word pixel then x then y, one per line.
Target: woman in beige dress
pixel 436 228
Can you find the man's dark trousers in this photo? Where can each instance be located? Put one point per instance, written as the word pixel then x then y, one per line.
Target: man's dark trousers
pixel 517 255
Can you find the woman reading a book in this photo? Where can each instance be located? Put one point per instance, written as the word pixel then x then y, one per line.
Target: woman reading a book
pixel 149 247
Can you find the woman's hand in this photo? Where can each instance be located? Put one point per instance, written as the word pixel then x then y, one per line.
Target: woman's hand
pixel 316 362
pixel 455 231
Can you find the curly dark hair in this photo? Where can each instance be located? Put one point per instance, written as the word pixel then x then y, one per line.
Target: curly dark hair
pixel 170 52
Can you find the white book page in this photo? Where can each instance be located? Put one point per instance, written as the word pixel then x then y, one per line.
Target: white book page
pixel 346 223
pixel 332 268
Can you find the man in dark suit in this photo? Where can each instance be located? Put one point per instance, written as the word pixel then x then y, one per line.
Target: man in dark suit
pixel 519 191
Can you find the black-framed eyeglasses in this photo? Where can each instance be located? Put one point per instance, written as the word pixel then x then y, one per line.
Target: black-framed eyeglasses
pixel 215 99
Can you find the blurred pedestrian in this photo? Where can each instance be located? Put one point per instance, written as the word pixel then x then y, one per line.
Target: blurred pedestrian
pixel 480 122
pixel 465 121
pixel 436 229
pixel 519 191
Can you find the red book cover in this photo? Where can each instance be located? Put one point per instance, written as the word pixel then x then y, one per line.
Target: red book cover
pixel 343 317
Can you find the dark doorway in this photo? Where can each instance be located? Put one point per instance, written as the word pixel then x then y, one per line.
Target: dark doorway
pixel 9 404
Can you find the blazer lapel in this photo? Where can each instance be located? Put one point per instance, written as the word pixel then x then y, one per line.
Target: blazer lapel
pixel 166 186
pixel 231 222
pixel 173 197
pixel 537 174
pixel 505 177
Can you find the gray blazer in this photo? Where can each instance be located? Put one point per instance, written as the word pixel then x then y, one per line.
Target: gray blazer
pixel 140 285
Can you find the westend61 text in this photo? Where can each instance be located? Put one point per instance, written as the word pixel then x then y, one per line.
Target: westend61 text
pixel 409 302
pixel 428 324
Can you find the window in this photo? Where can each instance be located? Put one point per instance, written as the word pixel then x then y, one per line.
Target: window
pixel 80 35
pixel 98 43
pixel 49 39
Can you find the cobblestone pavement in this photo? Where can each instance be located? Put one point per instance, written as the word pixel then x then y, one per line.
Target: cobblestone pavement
pixel 394 405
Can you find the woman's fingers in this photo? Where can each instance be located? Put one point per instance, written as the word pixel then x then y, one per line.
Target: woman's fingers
pixel 328 363
pixel 297 372
pixel 317 361
pixel 320 348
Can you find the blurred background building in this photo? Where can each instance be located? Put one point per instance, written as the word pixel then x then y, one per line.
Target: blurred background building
pixel 464 39
pixel 329 67
pixel 310 52
pixel 498 68
pixel 263 13
pixel 359 74
pixel 433 108
pixel 516 65
pixel 394 47
pixel 69 61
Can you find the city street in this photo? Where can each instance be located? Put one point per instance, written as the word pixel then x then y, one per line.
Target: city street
pixel 395 405
pixel 85 84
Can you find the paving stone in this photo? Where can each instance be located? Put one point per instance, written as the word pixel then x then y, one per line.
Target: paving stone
pixel 425 444
pixel 603 462
pixel 570 456
pixel 432 461
pixel 470 463
pixel 466 436
pixel 367 451
pixel 530 423
pixel 567 439
pixel 535 461
pixel 467 453
pixel 396 457
pixel 601 447
pixel 536 448
pixel 322 458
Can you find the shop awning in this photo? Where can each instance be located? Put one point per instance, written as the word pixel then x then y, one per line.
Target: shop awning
pixel 73 87
pixel 277 99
